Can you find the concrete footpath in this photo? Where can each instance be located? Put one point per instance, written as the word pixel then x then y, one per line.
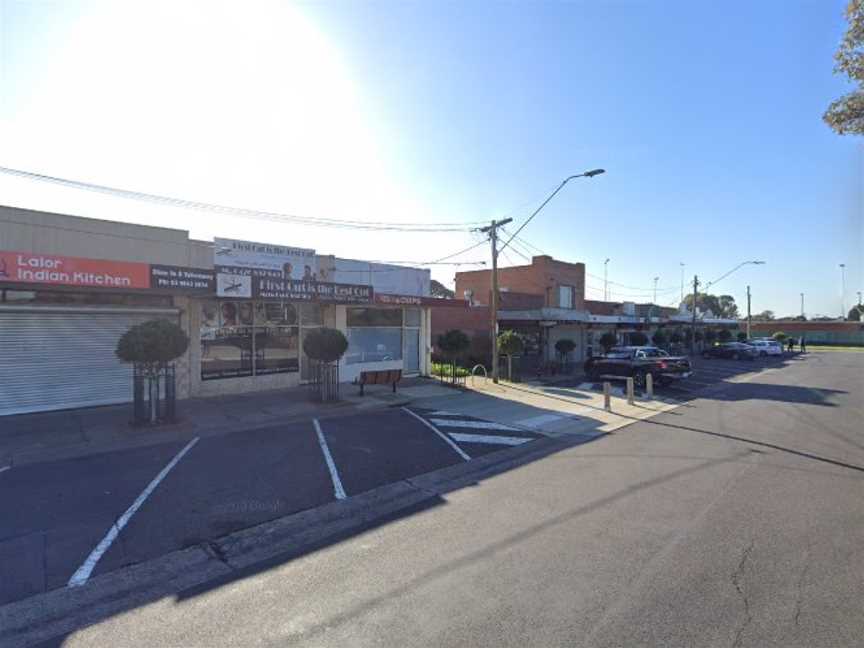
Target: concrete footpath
pixel 554 410
pixel 48 436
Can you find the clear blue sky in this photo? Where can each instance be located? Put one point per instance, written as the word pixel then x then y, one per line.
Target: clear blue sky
pixel 707 118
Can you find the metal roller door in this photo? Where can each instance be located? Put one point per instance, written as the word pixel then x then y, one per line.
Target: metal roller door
pixel 58 359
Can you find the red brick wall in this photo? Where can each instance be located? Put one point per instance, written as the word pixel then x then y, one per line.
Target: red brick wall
pixel 472 320
pixel 542 277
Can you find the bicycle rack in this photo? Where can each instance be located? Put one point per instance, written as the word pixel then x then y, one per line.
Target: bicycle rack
pixel 485 375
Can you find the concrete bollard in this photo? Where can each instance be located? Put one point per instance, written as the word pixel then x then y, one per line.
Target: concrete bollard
pixel 630 396
pixel 649 386
pixel 607 396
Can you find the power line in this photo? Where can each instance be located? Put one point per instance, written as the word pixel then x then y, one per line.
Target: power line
pixel 243 212
pixel 450 256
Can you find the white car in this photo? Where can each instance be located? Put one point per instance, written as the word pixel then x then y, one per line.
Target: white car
pixel 767 347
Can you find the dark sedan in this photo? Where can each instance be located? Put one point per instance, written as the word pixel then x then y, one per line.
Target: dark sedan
pixel 731 351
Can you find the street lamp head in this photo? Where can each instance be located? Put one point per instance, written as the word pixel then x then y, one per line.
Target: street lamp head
pixel 593 172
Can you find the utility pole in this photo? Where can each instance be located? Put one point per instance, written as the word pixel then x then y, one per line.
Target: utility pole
pixel 859 298
pixel 655 290
pixel 749 319
pixel 693 329
pixel 682 281
pixel 493 237
pixel 802 306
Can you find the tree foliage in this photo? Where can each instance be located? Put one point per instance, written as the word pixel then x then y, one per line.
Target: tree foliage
pixel 325 344
pixel 722 306
pixel 742 336
pixel 565 346
pixel 724 335
pixel 764 316
pixel 453 343
pixel 607 341
pixel 780 336
pixel 846 114
pixel 509 343
pixel 437 289
pixel 676 338
pixel 855 314
pixel 152 345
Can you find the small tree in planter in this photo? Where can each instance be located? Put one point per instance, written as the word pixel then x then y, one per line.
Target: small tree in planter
pixel 510 344
pixel 780 336
pixel 564 348
pixel 724 335
pixel 607 341
pixel 453 344
pixel 325 346
pixel 710 336
pixel 742 336
pixel 151 347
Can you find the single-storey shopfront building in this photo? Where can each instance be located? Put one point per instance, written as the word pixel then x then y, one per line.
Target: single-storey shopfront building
pixel 71 286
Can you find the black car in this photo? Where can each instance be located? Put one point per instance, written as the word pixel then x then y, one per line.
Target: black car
pixel 638 362
pixel 731 351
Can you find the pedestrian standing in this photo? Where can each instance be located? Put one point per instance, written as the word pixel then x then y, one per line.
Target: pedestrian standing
pixel 791 344
pixel 803 345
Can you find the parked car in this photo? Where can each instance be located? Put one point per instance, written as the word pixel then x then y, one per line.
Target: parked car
pixel 767 347
pixel 637 362
pixel 732 351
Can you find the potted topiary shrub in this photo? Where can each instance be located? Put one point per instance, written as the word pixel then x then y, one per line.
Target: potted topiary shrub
pixel 324 347
pixel 565 347
pixel 510 344
pixel 742 336
pixel 151 347
pixel 638 339
pixel 659 337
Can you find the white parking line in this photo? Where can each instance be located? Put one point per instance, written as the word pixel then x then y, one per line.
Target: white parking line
pixel 488 438
pixel 447 439
pixel 5 468
pixel 477 425
pixel 83 572
pixel 331 466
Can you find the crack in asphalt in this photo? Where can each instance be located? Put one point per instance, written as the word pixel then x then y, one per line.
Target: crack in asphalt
pixel 800 588
pixel 736 581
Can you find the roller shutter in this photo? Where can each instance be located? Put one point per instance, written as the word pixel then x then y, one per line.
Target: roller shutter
pixel 56 359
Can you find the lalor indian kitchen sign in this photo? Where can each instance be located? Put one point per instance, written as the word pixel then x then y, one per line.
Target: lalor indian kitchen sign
pixel 54 270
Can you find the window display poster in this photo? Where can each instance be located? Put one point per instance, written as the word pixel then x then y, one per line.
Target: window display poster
pixel 265 260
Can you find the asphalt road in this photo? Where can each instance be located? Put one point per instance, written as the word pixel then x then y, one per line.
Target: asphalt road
pixel 734 520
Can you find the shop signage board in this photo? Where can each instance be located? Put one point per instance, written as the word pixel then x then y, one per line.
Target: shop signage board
pixel 56 270
pixel 187 280
pixel 292 290
pixel 231 256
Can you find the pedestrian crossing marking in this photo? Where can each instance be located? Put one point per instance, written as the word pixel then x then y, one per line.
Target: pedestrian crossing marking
pixel 488 438
pixel 479 425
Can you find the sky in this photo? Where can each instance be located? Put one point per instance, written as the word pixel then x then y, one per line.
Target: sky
pixel 706 117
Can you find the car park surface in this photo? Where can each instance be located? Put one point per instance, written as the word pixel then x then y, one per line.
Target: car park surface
pixel 62 518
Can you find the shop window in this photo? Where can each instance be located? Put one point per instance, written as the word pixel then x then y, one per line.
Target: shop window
pixel 565 296
pixel 276 349
pixel 311 315
pixel 373 344
pixel 412 317
pixel 226 346
pixel 374 317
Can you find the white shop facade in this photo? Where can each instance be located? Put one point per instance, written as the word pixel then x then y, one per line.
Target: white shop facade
pixel 70 287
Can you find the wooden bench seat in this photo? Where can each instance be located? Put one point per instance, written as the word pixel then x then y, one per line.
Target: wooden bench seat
pixel 384 377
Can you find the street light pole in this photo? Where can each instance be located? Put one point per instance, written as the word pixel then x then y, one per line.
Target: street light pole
pixel 682 281
pixel 802 306
pixel 693 326
pixel 493 237
pixel 655 289
pixel 749 317
pixel 606 280
pixel 843 291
